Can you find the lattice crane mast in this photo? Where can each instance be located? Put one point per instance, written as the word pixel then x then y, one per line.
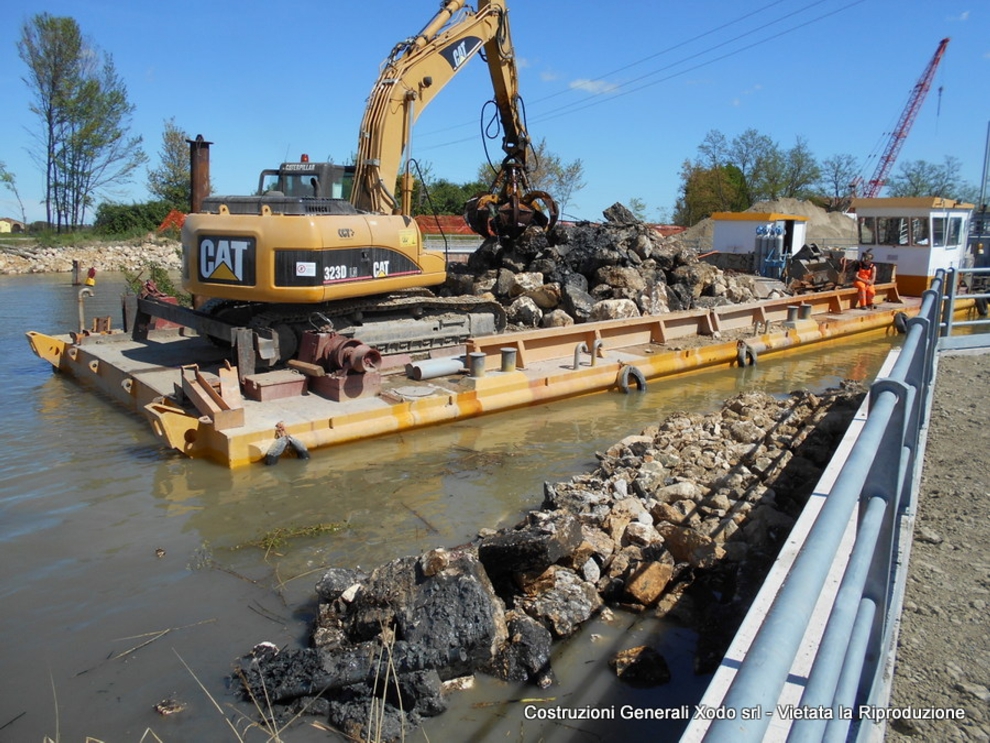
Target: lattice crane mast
pixel 900 132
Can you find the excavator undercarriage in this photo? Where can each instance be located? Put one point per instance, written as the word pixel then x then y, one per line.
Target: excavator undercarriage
pixel 413 323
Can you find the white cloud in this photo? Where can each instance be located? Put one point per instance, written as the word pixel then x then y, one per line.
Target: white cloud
pixel 738 100
pixel 595 87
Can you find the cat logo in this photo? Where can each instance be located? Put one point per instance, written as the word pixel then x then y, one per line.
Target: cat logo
pixel 461 51
pixel 226 260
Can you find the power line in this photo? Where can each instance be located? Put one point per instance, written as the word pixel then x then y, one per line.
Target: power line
pixel 572 89
pixel 570 108
pixel 693 39
pixel 701 53
pixel 606 99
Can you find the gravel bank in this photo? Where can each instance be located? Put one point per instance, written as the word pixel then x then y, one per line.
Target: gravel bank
pixel 943 658
pixel 104 258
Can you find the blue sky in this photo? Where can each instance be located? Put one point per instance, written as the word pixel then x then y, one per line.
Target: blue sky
pixel 630 89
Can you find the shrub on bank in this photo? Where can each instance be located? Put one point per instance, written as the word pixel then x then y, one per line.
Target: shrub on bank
pixel 130 219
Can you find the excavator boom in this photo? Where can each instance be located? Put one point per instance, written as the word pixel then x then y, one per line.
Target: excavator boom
pixel 414 73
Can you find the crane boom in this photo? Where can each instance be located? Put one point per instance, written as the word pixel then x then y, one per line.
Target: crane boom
pixel 908 116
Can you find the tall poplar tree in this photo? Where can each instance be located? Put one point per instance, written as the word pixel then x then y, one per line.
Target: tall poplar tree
pixel 170 181
pixel 83 115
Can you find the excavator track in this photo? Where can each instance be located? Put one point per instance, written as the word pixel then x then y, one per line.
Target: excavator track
pixel 413 322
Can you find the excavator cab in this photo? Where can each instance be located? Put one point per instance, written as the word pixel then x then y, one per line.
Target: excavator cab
pixel 305 179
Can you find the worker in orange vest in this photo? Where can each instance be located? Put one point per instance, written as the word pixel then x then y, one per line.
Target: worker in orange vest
pixel 865 281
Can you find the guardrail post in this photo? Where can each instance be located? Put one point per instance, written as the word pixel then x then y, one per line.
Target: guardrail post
pixel 948 306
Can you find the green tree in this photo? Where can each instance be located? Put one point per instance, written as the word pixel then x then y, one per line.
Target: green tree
pixel 83 112
pixel 801 171
pixel 170 181
pixel 638 207
pixel 922 178
pixel 732 176
pixel 838 173
pixel 714 156
pixel 445 197
pixel 757 158
pixel 770 180
pixel 705 191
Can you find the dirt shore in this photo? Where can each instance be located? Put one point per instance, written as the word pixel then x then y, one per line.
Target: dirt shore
pixel 943 658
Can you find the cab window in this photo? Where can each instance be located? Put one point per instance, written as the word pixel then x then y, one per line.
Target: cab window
pixel 955 231
pixel 892 230
pixel 938 231
pixel 867 230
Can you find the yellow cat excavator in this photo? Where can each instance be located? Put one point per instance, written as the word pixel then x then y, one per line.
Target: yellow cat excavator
pixel 335 247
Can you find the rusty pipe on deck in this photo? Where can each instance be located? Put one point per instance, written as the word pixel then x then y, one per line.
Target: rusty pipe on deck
pixel 83 293
pixel 352 355
pixel 579 349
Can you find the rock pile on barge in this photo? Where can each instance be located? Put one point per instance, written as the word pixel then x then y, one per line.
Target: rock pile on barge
pixel 585 272
pixel 682 520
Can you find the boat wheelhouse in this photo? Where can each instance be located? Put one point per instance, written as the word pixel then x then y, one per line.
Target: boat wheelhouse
pixel 919 235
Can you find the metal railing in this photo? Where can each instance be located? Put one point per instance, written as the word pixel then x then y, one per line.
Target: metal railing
pixel 880 478
pixel 977 280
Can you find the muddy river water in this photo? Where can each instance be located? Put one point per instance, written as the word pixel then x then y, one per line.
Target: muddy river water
pixel 130 575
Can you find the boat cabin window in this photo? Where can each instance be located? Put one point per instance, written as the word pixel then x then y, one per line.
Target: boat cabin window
pixel 893 231
pixel 955 232
pixel 938 231
pixel 867 230
pixel 948 231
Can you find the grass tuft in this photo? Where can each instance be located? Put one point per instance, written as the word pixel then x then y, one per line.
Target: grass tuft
pixel 278 538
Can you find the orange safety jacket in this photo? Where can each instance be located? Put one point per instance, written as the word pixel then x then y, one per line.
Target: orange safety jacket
pixel 865 273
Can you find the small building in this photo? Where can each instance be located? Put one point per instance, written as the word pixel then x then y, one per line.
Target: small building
pixel 918 235
pixel 770 238
pixel 8 225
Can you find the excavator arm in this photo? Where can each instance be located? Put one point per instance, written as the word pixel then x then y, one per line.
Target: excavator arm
pixel 414 73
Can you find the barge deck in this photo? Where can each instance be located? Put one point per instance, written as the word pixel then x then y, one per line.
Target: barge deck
pixel 506 371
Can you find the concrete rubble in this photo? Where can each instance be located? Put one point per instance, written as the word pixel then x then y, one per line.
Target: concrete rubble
pixel 586 272
pixel 682 520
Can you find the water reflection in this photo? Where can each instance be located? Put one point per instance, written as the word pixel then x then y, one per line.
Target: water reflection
pixel 87 495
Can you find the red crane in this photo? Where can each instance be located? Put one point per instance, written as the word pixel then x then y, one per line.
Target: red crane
pixel 900 132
